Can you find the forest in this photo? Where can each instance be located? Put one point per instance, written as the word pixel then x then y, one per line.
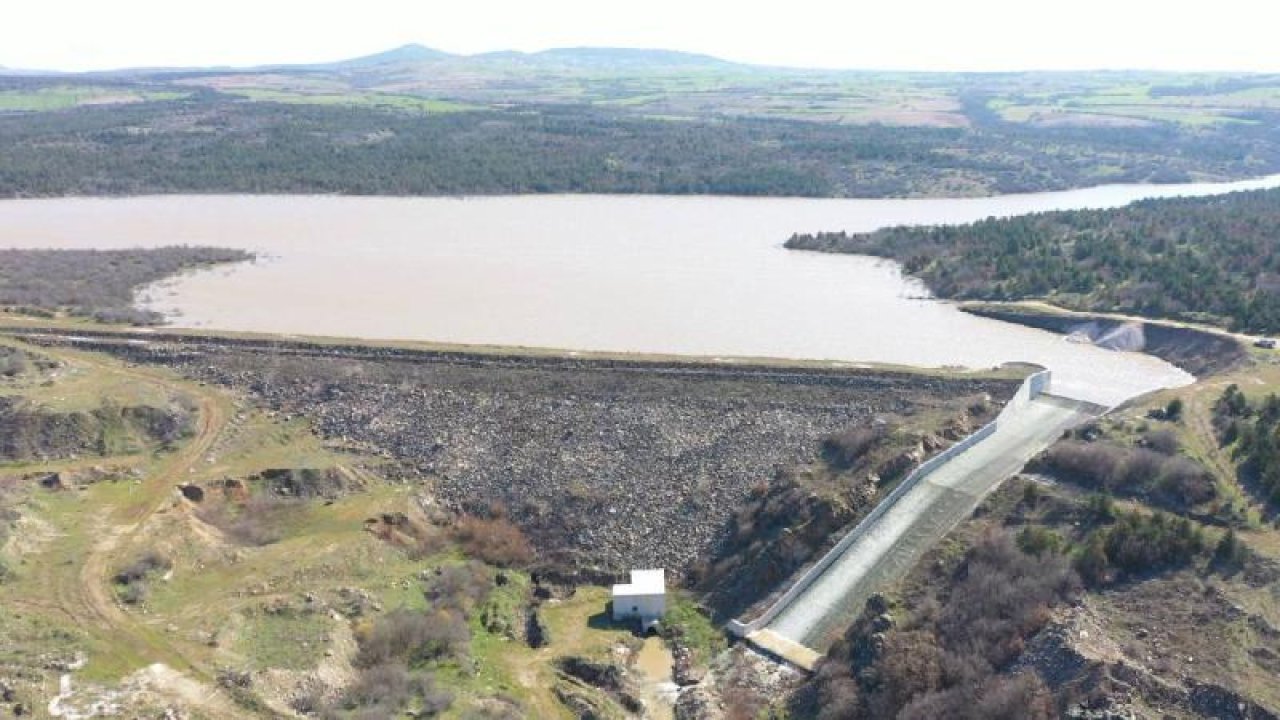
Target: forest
pixel 206 141
pixel 1210 259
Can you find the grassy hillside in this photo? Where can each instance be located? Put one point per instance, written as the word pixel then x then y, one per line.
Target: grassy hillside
pixel 361 531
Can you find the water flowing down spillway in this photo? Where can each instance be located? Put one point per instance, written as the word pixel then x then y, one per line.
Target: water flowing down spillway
pixel 674 275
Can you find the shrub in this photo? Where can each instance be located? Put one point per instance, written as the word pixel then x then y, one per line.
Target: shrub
pixel 385 684
pixel 13 363
pixel 410 637
pixel 385 689
pixel 910 665
pixel 1174 481
pixel 1230 552
pixel 132 578
pixel 142 567
pixel 260 520
pixel 495 540
pixel 1182 482
pixel 1139 543
pixel 1002 596
pixel 1037 540
pixel 459 587
pixel 1162 441
pixel 843 449
pixel 945 659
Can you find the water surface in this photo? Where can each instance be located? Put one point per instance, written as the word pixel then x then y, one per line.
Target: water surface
pixel 688 275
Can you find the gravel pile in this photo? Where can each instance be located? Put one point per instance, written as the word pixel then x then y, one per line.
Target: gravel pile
pixel 606 465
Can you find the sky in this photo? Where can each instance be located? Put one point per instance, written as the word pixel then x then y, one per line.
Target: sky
pixel 855 34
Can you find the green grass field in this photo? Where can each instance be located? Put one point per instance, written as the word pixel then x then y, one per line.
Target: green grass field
pixel 62 97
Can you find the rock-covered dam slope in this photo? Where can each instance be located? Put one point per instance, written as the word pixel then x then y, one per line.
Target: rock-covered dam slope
pixel 606 464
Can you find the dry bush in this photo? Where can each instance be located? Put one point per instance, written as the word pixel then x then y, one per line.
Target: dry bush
pixel 13 363
pixel 1173 481
pixel 1185 482
pixel 410 637
pixel 843 449
pixel 1000 697
pixel 945 658
pixel 839 698
pixel 1162 441
pixel 459 587
pixel 260 520
pixel 140 568
pixel 1138 470
pixel 384 690
pixel 495 540
pixel 132 578
pixel 910 665
pixel 1090 464
pixel 417 538
pixel 1003 596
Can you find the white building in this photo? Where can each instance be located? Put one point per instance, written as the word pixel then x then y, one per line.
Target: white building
pixel 643 599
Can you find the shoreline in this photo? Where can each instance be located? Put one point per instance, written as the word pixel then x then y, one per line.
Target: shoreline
pixel 1271 179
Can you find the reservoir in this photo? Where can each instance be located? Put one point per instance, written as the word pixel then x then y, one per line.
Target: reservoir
pixel 654 274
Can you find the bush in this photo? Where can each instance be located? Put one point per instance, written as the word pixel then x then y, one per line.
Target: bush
pixel 385 689
pixel 141 568
pixel 132 578
pixel 13 363
pixel 1173 481
pixel 411 637
pixel 945 659
pixel 1037 540
pixel 1182 482
pixel 495 540
pixel 1002 596
pixel 843 449
pixel 260 520
pixel 1137 544
pixel 1164 442
pixel 1230 552
pixel 460 587
pixel 1000 697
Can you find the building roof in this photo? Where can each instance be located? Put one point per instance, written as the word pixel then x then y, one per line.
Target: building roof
pixel 643 582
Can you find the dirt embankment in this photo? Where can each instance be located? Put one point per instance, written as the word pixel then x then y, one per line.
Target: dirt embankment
pixel 606 464
pixel 28 432
pixel 1199 352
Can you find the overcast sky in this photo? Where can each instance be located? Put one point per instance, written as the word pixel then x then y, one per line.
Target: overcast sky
pixel 874 34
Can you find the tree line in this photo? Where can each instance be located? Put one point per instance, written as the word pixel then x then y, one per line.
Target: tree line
pixel 209 142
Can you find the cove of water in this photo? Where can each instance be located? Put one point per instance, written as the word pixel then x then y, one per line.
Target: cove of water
pixel 654 274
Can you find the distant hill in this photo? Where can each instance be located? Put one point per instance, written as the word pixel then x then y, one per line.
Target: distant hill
pixel 405 54
pixel 413 54
pixel 626 58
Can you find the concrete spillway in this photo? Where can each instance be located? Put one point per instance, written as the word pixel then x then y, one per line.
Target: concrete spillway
pixel 883 547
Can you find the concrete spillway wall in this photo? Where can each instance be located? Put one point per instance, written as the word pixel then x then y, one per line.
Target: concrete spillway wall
pixel 1031 388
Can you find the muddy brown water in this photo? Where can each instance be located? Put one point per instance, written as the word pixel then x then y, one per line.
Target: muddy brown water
pixel 654 663
pixel 687 275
